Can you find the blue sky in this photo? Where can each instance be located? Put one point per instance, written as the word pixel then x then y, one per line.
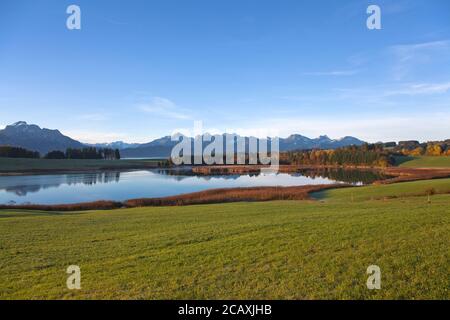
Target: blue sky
pixel 138 70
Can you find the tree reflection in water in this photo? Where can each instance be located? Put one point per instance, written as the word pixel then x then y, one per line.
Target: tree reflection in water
pixel 351 176
pixel 23 185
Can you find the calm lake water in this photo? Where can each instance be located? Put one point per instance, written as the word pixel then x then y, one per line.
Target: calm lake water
pixel 119 186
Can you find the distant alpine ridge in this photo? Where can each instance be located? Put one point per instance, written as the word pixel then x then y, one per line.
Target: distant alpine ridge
pixel 115 145
pixel 162 147
pixel 32 137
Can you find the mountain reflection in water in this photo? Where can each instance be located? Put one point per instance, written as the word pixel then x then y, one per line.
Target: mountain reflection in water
pixel 124 185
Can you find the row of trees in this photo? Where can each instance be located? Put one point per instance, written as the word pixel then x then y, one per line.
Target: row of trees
pixel 85 153
pixel 415 148
pixel 431 149
pixel 365 155
pixel 15 152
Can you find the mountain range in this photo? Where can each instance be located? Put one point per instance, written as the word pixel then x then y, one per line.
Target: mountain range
pixel 115 145
pixel 32 137
pixel 163 146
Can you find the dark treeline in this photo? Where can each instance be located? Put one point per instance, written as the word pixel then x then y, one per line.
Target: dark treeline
pixel 85 153
pixel 15 152
pixel 55 155
pixel 372 155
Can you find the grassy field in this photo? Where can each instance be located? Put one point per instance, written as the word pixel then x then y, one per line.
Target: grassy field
pixel 424 162
pixel 30 165
pixel 279 250
pixel 385 192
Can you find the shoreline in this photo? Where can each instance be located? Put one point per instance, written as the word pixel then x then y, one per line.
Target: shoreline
pixel 212 196
pixel 211 170
pixel 194 170
pixel 226 195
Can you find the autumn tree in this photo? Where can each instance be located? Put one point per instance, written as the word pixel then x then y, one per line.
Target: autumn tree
pixel 434 150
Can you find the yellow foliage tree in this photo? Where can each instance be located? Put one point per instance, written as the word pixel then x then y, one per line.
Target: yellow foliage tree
pixel 434 150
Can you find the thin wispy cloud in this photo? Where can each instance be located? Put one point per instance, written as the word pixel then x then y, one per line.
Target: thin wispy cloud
pixel 164 107
pixel 374 128
pixel 407 50
pixel 410 56
pixel 335 73
pixel 358 59
pixel 379 95
pixel 382 93
pixel 421 88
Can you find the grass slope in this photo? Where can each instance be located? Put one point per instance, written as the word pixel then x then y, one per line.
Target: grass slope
pixel 424 162
pixel 283 249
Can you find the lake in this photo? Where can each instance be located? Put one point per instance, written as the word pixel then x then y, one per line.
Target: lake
pixel 124 185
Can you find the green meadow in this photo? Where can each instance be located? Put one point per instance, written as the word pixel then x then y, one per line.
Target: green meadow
pixel 269 250
pixel 424 162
